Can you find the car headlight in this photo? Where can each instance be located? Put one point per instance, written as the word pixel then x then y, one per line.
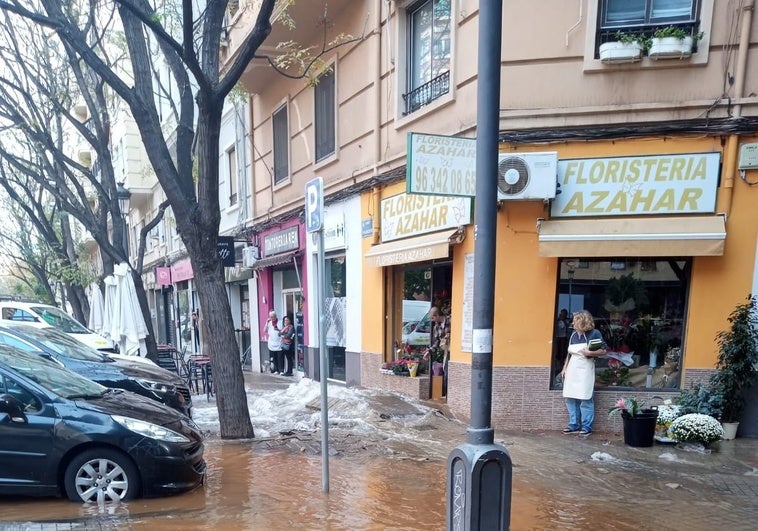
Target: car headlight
pixel 148 429
pixel 157 387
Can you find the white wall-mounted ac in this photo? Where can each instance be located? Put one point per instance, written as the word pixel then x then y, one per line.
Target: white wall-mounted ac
pixel 250 255
pixel 525 176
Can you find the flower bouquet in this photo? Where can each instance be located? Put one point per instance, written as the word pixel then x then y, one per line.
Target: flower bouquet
pixel 696 428
pixel 667 413
pixel 630 407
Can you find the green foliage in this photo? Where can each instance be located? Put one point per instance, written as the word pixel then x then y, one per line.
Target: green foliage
pixel 723 396
pixel 675 32
pixel 625 287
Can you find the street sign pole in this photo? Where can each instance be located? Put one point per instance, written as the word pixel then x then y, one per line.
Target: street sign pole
pixel 480 472
pixel 314 216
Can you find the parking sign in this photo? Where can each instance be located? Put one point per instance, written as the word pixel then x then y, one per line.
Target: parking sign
pixel 314 204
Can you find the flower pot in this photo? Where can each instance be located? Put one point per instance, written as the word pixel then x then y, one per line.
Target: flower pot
pixel 616 52
pixel 437 368
pixel 670 48
pixel 413 369
pixel 730 430
pixel 639 429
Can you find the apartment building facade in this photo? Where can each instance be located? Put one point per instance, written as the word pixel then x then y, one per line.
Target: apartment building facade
pixel 625 188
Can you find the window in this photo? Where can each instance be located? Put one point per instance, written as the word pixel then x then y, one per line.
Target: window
pixel 640 311
pixel 231 159
pixel 281 145
pixel 644 16
pixel 324 116
pixel 428 53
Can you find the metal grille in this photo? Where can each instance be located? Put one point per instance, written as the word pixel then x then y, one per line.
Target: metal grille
pixel 427 93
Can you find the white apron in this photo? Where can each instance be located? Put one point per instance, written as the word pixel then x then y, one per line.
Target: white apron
pixel 579 382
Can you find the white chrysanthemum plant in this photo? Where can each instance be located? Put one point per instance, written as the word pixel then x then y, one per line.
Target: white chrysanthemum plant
pixel 696 428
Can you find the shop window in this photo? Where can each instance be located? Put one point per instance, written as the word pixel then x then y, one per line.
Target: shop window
pixel 324 115
pixel 336 315
pixel 428 54
pixel 281 145
pixel 638 17
pixel 418 288
pixel 641 312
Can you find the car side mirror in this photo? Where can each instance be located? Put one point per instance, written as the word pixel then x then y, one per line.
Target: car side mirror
pixel 12 408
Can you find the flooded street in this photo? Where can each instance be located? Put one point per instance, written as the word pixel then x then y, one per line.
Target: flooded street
pixel 387 471
pixel 246 489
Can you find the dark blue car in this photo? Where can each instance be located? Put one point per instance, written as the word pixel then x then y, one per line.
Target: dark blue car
pixel 146 379
pixel 61 433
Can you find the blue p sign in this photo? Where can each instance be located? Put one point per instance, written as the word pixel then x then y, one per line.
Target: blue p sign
pixel 314 204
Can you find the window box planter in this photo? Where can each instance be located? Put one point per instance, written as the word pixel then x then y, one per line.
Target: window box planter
pixel 617 52
pixel 670 48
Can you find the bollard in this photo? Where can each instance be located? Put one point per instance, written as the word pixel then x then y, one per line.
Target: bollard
pixel 479 479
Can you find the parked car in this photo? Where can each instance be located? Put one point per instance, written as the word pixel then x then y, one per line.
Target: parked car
pixel 44 315
pixel 141 378
pixel 61 433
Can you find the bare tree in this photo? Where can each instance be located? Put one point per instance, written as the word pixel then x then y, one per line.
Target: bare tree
pixel 185 160
pixel 38 89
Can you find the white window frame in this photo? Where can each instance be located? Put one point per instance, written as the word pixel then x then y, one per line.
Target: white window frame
pixel 699 58
pixel 232 171
pixel 402 70
pixel 288 174
pixel 329 157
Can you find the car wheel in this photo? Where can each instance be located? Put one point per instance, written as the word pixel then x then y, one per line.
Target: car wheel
pixel 101 475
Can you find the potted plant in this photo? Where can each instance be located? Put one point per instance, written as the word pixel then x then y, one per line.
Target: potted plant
pixel 639 422
pixel 723 395
pixel 667 413
pixel 696 428
pixel 625 48
pixel 672 42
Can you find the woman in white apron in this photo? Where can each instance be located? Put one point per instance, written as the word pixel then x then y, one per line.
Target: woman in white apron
pixel 579 373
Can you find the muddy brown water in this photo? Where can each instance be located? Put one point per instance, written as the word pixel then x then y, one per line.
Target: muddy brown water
pixel 249 489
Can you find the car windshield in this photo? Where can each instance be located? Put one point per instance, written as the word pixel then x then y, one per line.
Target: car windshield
pixel 60 320
pixel 63 344
pixel 49 375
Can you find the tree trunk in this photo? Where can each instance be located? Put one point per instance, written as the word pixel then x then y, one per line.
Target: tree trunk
pixel 151 343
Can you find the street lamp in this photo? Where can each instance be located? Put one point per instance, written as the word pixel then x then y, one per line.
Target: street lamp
pixel 123 195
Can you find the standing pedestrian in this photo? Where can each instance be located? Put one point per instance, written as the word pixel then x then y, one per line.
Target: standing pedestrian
pixel 274 340
pixel 288 344
pixel 585 344
pixel 561 340
pixel 196 328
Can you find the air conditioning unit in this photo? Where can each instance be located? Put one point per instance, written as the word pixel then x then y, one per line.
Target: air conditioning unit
pixel 527 176
pixel 250 255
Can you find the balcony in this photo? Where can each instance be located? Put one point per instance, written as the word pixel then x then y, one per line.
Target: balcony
pixel 426 93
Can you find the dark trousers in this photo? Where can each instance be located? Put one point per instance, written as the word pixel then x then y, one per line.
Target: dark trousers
pixel 290 356
pixel 277 362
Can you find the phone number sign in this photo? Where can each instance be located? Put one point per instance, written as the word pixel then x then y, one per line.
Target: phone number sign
pixel 441 165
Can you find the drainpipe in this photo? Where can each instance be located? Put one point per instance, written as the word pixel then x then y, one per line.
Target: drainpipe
pixel 732 143
pixel 377 218
pixel 378 84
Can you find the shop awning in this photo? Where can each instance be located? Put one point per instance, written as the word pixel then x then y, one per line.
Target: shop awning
pixel 671 236
pixel 277 259
pixel 416 249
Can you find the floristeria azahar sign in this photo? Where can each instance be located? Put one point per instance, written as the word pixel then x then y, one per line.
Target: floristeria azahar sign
pixel 645 185
pixel 441 165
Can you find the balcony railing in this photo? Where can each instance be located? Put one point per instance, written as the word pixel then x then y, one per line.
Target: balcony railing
pixel 426 93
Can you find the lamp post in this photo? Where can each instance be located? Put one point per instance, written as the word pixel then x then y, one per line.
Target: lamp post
pixel 123 195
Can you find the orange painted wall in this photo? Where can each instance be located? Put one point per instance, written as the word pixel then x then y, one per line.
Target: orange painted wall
pixel 525 287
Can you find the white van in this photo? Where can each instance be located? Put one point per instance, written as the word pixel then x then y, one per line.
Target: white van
pixel 44 315
pixel 418 333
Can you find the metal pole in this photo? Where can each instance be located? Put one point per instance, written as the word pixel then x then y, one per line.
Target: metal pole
pixel 323 355
pixel 480 472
